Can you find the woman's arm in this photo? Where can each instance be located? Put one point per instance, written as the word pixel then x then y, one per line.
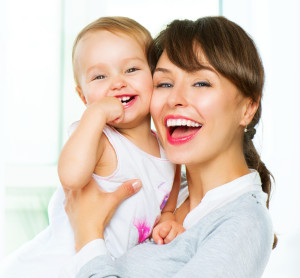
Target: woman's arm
pixel 85 146
pixel 231 244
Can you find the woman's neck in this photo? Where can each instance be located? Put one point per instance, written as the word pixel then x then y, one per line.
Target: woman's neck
pixel 204 177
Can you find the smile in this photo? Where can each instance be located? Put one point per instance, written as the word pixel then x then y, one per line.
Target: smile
pixel 127 100
pixel 181 130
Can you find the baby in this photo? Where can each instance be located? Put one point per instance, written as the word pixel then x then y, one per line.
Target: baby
pixel 112 143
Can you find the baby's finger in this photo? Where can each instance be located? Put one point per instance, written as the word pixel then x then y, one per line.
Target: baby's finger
pixel 164 229
pixel 171 235
pixel 156 237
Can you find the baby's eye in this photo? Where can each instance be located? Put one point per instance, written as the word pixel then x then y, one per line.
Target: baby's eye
pixel 202 84
pixel 101 76
pixel 131 70
pixel 164 85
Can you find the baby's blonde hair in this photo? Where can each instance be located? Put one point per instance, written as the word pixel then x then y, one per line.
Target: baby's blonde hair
pixel 114 24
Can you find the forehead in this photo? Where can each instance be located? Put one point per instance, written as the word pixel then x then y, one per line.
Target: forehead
pixel 104 38
pixel 165 64
pixel 105 47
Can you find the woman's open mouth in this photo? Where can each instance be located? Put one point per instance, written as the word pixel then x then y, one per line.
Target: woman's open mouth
pixel 181 130
pixel 127 100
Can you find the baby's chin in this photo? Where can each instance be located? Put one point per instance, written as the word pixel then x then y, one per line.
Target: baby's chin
pixel 124 125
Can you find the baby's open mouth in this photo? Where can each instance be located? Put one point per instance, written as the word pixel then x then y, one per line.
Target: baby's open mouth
pixel 182 128
pixel 126 99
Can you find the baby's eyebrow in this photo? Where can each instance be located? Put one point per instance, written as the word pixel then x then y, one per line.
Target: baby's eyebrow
pixel 133 58
pixel 95 66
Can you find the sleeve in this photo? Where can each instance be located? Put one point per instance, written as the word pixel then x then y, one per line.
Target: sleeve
pixel 99 267
pixel 93 249
pixel 240 247
pixel 237 245
pixel 72 128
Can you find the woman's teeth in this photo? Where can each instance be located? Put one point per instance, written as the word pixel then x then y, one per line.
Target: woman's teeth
pixel 182 122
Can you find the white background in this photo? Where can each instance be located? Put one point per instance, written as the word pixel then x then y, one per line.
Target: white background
pixel 38 100
pixel 275 26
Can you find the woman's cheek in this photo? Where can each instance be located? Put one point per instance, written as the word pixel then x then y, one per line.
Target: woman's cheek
pixel 154 106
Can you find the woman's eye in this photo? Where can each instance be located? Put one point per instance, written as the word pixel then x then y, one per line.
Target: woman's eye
pixel 202 84
pixel 164 85
pixel 99 77
pixel 131 70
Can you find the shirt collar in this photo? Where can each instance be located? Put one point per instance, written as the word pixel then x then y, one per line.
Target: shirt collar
pixel 222 195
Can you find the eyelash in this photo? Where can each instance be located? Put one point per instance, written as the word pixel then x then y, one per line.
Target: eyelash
pixel 131 70
pixel 197 84
pixel 101 76
pixel 164 85
pixel 202 84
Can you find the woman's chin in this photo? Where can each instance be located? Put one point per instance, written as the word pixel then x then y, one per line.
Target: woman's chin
pixel 176 157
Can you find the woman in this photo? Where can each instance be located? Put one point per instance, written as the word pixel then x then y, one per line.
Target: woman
pixel 208 82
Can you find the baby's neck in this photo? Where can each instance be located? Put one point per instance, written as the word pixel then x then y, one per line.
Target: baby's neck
pixel 142 136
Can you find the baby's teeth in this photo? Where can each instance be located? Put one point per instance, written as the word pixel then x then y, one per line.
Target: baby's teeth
pixel 125 98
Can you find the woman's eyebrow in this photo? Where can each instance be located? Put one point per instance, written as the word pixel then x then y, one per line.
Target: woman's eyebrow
pixel 163 70
pixel 203 68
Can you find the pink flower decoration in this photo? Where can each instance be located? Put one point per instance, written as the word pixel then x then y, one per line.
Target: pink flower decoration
pixel 143 228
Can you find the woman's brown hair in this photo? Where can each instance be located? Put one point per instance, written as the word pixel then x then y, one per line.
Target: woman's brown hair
pixel 232 53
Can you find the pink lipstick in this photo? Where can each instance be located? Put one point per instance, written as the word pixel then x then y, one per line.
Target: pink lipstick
pixel 180 129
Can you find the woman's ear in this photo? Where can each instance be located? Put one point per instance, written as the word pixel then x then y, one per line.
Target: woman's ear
pixel 249 111
pixel 81 95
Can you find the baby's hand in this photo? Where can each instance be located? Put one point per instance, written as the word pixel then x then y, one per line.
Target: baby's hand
pixel 165 232
pixel 111 107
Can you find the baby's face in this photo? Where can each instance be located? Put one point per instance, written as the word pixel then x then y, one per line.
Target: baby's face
pixel 111 64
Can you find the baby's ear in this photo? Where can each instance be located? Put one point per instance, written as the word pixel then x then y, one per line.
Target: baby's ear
pixel 81 95
pixel 250 109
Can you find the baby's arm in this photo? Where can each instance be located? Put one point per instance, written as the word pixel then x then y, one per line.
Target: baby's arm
pixel 167 228
pixel 83 150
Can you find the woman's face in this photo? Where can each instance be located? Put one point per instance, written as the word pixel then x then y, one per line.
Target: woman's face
pixel 198 115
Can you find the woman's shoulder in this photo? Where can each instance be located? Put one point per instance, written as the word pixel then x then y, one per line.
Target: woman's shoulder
pixel 246 220
pixel 245 216
pixel 251 204
pixel 250 208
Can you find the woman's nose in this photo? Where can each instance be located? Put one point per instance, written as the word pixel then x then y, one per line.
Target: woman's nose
pixel 117 83
pixel 177 97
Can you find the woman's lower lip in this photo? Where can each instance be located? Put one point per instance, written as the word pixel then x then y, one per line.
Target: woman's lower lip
pixel 180 140
pixel 130 103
